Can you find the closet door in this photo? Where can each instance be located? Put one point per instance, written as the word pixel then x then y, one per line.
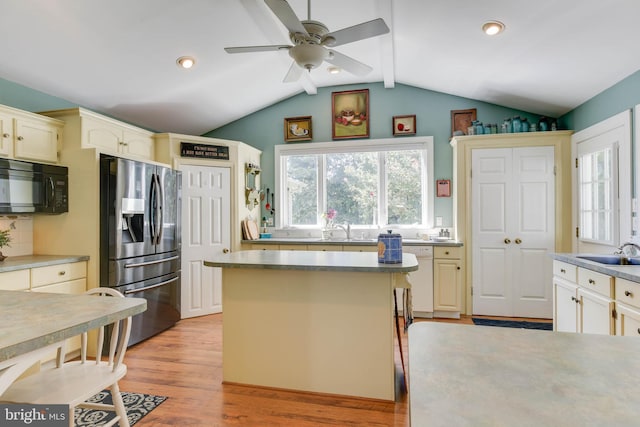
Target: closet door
pixel 513 229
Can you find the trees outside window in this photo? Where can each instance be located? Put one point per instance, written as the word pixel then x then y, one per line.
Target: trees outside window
pixel 376 184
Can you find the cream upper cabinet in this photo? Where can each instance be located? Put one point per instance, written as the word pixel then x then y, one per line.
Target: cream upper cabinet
pixel 29 136
pixel 111 137
pixel 36 140
pixel 6 134
pixel 86 129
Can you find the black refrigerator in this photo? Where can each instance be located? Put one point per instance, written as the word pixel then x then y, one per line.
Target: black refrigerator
pixel 140 239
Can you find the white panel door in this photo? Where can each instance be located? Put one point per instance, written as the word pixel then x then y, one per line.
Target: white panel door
pixel 206 231
pixel 513 229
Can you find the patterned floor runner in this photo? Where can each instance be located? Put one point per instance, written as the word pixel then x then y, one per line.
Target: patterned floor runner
pixel 138 405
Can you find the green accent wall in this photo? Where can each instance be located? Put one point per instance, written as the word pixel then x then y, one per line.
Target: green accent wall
pixel 622 96
pixel 24 98
pixel 264 129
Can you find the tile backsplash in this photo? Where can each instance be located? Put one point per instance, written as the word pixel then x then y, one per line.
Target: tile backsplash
pixel 21 231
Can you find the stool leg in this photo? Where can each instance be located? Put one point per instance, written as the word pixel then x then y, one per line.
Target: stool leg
pixel 404 372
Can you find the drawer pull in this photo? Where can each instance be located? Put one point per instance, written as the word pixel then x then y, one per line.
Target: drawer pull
pixel 592 282
pixel 62 273
pixel 639 330
pixel 20 138
pixel 628 294
pixel 446 253
pixel 563 271
pixel 5 135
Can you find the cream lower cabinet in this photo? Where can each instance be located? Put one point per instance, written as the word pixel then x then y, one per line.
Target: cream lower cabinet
pixel 69 278
pixel 582 300
pixel 447 282
pixel 18 280
pixel 627 308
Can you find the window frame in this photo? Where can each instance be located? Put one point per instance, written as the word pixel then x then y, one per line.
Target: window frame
pixel 422 143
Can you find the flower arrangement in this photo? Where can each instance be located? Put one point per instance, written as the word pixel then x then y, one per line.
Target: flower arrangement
pixel 5 239
pixel 328 217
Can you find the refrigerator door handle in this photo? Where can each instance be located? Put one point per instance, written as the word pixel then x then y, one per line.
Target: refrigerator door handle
pixel 146 288
pixel 160 213
pixel 144 264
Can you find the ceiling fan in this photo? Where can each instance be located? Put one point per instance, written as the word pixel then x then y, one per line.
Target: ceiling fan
pixel 311 40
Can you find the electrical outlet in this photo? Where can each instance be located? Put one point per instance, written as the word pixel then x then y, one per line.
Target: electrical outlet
pixel 270 222
pixel 438 221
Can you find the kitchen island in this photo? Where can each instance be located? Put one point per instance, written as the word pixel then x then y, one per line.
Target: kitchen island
pixel 310 321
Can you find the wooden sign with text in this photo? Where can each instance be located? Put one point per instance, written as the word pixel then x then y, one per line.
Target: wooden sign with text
pixel 204 151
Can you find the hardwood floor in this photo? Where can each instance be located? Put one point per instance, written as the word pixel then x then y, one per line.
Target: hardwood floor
pixel 185 364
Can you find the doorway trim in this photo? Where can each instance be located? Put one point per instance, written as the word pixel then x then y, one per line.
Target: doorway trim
pixel 462 146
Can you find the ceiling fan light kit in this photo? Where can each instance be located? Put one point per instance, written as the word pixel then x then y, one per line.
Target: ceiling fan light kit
pixel 311 40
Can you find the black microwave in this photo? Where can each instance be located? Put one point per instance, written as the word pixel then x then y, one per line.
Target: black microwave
pixel 33 188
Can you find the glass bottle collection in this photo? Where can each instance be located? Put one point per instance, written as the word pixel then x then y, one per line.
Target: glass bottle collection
pixel 516 124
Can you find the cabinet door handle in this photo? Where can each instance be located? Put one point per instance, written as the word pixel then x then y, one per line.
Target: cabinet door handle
pixel 62 273
pixel 639 330
pixel 20 138
pixel 5 135
pixel 458 268
pixel 225 251
pixel 628 294
pixel 592 282
pixel 563 271
pixel 446 253
pixel 507 240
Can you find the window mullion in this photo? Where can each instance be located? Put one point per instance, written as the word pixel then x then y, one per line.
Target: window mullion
pixel 382 189
pixel 322 187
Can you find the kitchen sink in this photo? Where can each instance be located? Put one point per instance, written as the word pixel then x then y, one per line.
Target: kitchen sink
pixel 611 259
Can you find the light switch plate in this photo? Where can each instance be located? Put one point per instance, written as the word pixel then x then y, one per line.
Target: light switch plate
pixel 438 221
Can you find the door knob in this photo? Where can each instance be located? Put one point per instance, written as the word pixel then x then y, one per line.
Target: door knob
pixel 225 251
pixel 518 241
pixel 507 240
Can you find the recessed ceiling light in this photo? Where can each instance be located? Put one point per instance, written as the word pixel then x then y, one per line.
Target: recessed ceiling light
pixel 491 28
pixel 186 61
pixel 333 69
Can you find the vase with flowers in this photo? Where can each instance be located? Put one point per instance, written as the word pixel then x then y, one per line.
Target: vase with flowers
pixel 328 226
pixel 5 239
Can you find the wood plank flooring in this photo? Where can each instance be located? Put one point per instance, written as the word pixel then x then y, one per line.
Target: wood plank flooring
pixel 185 364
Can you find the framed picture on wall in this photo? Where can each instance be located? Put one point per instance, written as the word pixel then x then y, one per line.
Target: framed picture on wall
pixel 404 125
pixel 297 129
pixel 461 120
pixel 443 188
pixel 350 112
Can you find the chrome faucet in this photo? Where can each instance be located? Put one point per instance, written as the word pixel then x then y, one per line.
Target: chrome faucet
pixel 347 229
pixel 635 251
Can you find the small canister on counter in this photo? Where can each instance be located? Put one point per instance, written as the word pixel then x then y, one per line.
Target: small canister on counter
pixel 389 248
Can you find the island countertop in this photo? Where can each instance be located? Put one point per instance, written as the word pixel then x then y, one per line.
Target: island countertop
pixel 360 262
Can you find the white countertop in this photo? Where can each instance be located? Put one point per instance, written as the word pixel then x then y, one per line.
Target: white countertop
pixel 312 260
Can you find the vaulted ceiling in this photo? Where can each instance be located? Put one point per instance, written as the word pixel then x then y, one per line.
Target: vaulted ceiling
pixel 118 57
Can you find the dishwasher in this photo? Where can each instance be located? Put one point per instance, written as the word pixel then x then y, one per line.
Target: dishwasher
pixel 421 281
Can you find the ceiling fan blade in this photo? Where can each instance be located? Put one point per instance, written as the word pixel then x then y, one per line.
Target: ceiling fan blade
pixel 294 73
pixel 244 49
pixel 286 15
pixel 348 64
pixel 359 32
